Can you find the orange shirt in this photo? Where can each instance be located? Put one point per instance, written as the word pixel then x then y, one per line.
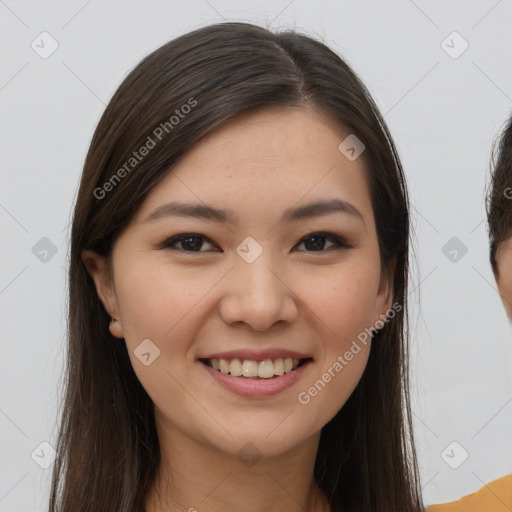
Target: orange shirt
pixel 493 497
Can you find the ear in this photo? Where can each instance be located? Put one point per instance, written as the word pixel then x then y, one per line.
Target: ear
pixel 97 267
pixel 384 298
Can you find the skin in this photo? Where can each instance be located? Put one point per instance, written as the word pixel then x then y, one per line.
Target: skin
pixel 504 277
pixel 194 302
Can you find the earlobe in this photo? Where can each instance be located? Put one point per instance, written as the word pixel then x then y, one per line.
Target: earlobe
pixel 115 328
pixel 97 267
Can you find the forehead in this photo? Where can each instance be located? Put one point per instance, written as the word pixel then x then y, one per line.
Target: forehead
pixel 266 160
pixel 269 137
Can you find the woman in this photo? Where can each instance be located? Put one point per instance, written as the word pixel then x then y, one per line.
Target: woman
pixel 247 366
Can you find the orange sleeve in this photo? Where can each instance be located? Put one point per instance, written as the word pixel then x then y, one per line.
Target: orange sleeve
pixel 493 497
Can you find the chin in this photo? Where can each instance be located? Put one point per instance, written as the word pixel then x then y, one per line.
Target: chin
pixel 257 443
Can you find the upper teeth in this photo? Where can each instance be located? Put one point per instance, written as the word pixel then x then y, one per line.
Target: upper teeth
pixel 250 368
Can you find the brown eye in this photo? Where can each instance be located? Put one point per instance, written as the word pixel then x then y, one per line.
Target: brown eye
pixel 317 242
pixel 191 242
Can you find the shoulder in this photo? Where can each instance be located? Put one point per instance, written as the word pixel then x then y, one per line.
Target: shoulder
pixel 493 497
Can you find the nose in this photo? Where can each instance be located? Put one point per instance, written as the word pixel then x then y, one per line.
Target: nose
pixel 258 294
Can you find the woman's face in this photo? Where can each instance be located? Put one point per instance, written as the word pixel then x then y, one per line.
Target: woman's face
pixel 252 284
pixel 504 280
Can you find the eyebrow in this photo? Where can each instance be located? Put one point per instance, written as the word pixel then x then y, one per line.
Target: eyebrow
pixel 226 216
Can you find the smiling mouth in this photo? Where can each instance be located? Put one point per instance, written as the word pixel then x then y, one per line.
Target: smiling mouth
pixel 252 369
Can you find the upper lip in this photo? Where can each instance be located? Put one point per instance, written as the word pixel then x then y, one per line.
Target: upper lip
pixel 257 355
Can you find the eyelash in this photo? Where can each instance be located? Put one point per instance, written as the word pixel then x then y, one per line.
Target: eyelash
pixel 170 242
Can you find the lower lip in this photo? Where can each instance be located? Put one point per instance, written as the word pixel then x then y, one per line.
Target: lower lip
pixel 257 388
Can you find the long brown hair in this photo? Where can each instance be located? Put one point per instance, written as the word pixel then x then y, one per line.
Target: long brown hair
pixel 108 450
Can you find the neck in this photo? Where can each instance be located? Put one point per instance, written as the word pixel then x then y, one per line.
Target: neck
pixel 205 479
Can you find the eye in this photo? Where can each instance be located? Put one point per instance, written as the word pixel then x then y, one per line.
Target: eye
pixel 192 242
pixel 319 244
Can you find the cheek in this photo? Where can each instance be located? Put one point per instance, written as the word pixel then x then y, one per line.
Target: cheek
pixel 345 299
pixel 161 304
pixel 505 289
pixel 504 261
pixel 155 297
pixel 344 310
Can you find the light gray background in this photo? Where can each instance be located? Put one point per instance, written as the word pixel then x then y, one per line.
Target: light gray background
pixel 443 113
